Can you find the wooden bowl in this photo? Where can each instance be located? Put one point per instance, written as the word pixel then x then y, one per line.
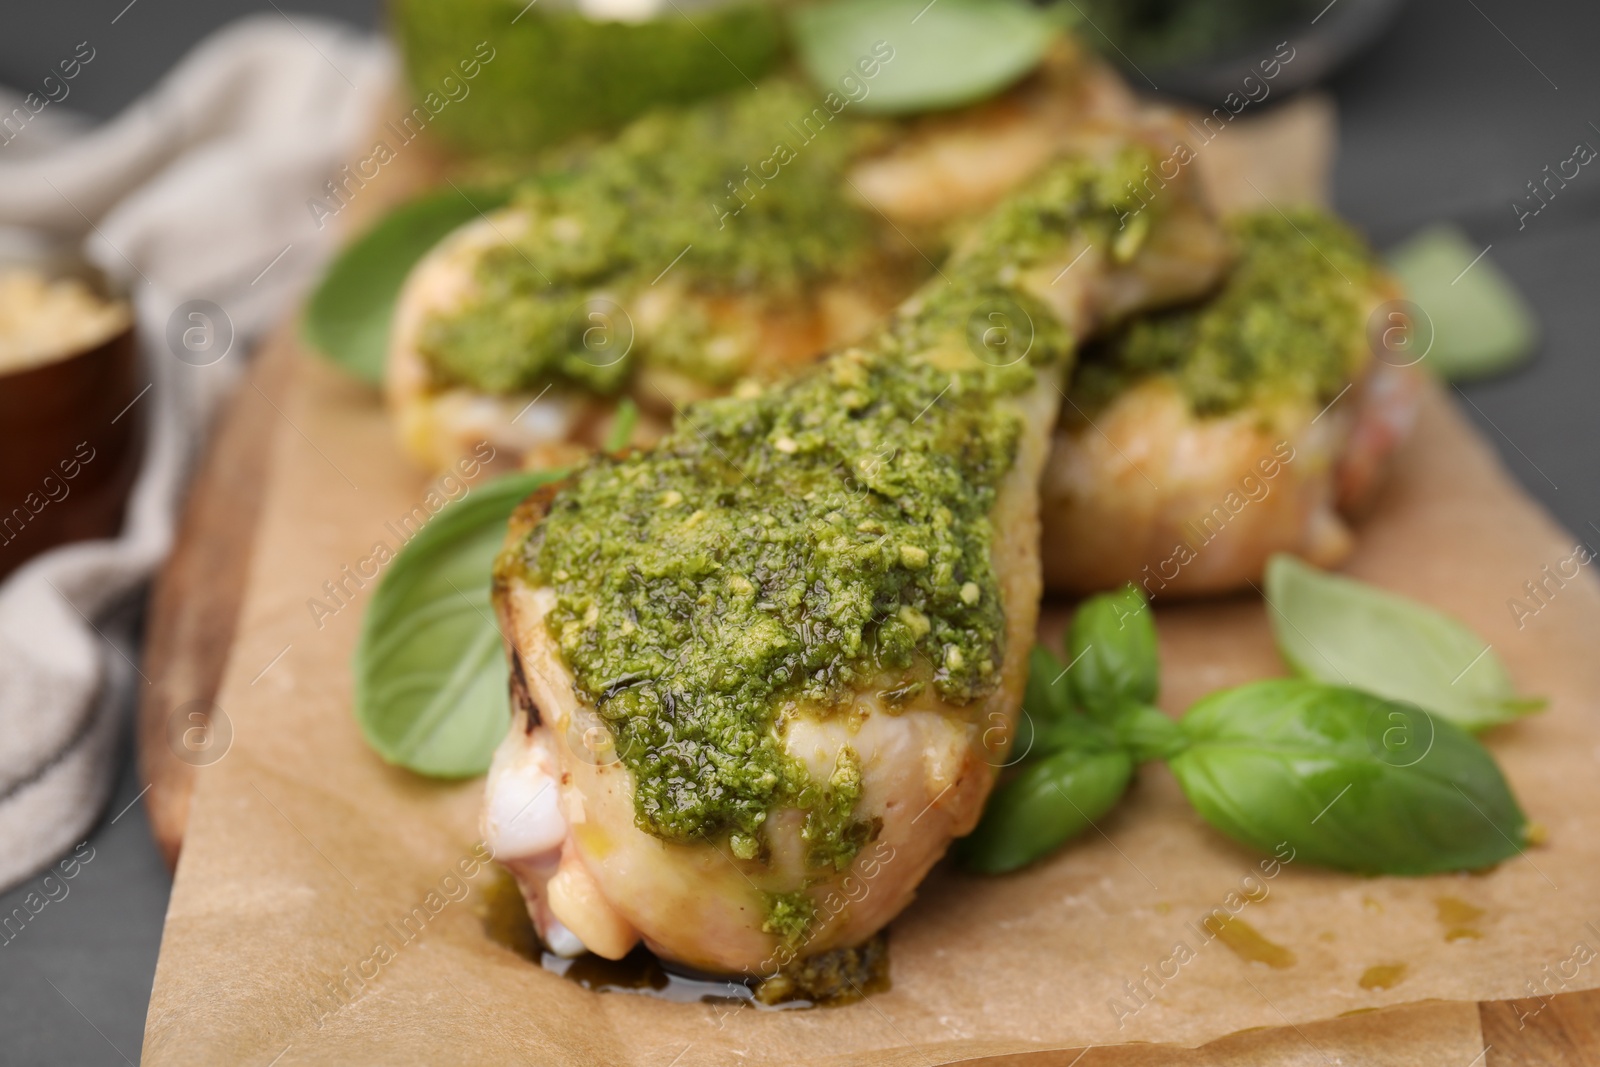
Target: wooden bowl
pixel 70 435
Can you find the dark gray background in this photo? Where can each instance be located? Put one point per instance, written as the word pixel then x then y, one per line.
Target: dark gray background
pixel 1447 118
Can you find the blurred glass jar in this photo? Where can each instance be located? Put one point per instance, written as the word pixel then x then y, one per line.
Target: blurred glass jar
pixel 1206 49
pixel 513 76
pixel 69 376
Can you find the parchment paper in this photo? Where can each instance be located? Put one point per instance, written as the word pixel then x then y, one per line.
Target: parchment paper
pixel 304 850
pixel 306 856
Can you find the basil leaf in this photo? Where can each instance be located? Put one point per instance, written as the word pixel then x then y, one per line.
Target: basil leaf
pixel 1074 730
pixel 430 673
pixel 1480 324
pixel 1346 632
pixel 347 318
pixel 1112 648
pixel 627 416
pixel 895 57
pixel 1348 779
pixel 1046 699
pixel 1147 733
pixel 1049 802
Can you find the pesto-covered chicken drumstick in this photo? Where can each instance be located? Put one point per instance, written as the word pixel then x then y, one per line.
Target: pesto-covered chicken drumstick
pixel 759 664
pixel 1202 440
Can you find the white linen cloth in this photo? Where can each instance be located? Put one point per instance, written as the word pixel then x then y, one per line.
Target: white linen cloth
pixel 196 191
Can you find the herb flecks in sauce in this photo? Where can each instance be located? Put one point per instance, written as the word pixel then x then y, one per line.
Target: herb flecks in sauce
pixel 660 194
pixel 816 545
pixel 789 916
pixel 836 976
pixel 1288 322
pixel 832 833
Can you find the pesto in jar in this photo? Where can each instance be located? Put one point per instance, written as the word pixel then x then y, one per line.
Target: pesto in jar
pixel 1289 321
pixel 725 197
pixel 782 551
pixel 550 71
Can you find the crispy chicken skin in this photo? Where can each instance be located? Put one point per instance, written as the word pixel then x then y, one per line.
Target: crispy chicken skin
pixel 560 808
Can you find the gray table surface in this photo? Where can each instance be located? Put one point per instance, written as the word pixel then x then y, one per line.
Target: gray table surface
pixel 1448 117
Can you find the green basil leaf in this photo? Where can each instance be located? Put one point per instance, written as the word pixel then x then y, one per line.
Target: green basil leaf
pixel 347 318
pixel 1478 323
pixel 1048 803
pixel 1348 779
pixel 1147 733
pixel 1074 730
pixel 430 673
pixel 895 57
pixel 1346 632
pixel 622 426
pixel 1046 698
pixel 1112 648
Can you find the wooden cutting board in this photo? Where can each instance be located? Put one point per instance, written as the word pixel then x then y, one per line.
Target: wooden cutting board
pixel 194 604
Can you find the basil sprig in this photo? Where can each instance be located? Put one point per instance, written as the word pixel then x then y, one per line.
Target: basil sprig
pixel 430 673
pixel 1090 723
pixel 1148 733
pixel 1352 779
pixel 1074 770
pixel 1339 630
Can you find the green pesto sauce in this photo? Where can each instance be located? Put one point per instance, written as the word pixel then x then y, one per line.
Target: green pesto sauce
pixel 680 188
pixel 553 72
pixel 779 552
pixel 788 916
pixel 832 834
pixel 1286 322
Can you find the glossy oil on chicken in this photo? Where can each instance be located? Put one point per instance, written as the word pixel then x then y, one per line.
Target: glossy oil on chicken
pixel 764 660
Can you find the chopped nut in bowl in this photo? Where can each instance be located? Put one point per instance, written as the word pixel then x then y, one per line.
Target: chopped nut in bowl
pixel 69 425
pixel 45 319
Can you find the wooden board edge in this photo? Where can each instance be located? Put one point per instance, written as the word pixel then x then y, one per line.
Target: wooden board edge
pixel 1561 1030
pixel 196 596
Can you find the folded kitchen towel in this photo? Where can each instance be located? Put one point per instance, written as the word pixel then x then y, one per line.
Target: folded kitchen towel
pixel 197 191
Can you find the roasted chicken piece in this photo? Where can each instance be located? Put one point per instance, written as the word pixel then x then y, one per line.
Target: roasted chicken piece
pixel 572 295
pixel 1201 440
pixel 756 667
